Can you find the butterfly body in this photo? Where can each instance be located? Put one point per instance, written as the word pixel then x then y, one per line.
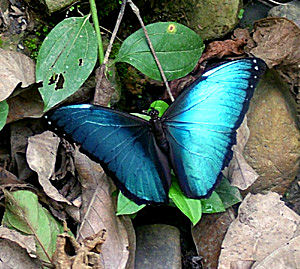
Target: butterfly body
pixel 193 137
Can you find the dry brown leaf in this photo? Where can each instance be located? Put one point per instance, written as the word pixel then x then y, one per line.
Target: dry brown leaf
pixel 219 49
pixel 214 225
pixel 86 254
pixel 25 241
pixel 288 256
pixel 27 104
pixel 13 256
pixel 239 172
pixel 41 157
pixel 104 89
pixel 7 177
pixel 277 42
pixel 15 67
pixel 98 212
pixel 20 132
pixel 263 225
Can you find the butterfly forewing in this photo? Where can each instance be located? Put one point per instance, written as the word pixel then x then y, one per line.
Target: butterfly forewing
pixel 123 144
pixel 201 124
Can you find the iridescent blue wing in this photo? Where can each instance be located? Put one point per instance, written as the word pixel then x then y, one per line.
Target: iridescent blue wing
pixel 201 124
pixel 123 144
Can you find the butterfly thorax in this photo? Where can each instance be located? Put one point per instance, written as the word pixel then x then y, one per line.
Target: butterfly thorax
pixel 157 129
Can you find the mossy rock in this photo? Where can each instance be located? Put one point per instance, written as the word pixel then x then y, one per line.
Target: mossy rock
pixel 211 19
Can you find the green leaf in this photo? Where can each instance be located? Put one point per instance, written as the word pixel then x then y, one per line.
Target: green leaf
pixel 3 113
pixel 24 213
pixel 177 47
pixel 229 195
pixel 66 59
pixel 143 116
pixel 160 106
pixel 126 207
pixel 213 204
pixel 192 208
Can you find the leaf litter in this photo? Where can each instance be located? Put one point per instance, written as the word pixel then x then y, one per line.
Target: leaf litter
pixel 263 225
pixel 98 212
pixel 41 158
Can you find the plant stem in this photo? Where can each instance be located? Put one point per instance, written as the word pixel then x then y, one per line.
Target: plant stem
pixel 137 13
pixel 97 29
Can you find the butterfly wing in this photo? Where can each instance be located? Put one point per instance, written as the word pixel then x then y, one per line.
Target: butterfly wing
pixel 201 124
pixel 123 144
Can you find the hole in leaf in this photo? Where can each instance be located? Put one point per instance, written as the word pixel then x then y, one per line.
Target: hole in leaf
pixel 60 82
pixel 52 79
pixel 80 62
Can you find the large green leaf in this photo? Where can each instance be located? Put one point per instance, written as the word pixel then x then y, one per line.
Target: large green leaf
pixel 229 195
pixel 66 59
pixel 24 213
pixel 192 208
pixel 127 207
pixel 213 204
pixel 178 49
pixel 3 113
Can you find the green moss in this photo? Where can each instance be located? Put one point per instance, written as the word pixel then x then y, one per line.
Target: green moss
pixel 34 41
pixel 33 44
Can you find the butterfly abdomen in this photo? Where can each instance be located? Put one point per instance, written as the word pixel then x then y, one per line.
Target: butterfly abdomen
pixel 159 134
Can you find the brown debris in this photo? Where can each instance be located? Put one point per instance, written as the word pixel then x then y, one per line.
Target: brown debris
pixel 98 211
pixel 86 253
pixel 104 89
pixel 277 43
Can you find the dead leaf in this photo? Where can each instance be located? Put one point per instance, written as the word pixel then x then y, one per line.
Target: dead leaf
pixel 287 256
pixel 239 172
pixel 15 67
pixel 132 241
pixel 277 42
pixel 20 131
pixel 263 225
pixel 219 49
pixel 7 177
pixel 214 225
pixel 26 104
pixel 86 254
pixel 98 212
pixel 241 264
pixel 41 158
pixel 24 241
pixel 104 89
pixel 13 256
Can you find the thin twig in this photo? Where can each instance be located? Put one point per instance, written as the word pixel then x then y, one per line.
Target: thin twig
pixel 137 13
pixel 110 32
pixel 114 34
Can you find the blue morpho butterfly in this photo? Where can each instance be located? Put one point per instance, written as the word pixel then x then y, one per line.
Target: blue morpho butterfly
pixel 193 137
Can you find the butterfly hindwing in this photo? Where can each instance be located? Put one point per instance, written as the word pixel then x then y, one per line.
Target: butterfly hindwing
pixel 201 124
pixel 123 144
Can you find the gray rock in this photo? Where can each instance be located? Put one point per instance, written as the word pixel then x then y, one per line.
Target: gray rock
pixel 157 246
pixel 290 11
pixel 213 18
